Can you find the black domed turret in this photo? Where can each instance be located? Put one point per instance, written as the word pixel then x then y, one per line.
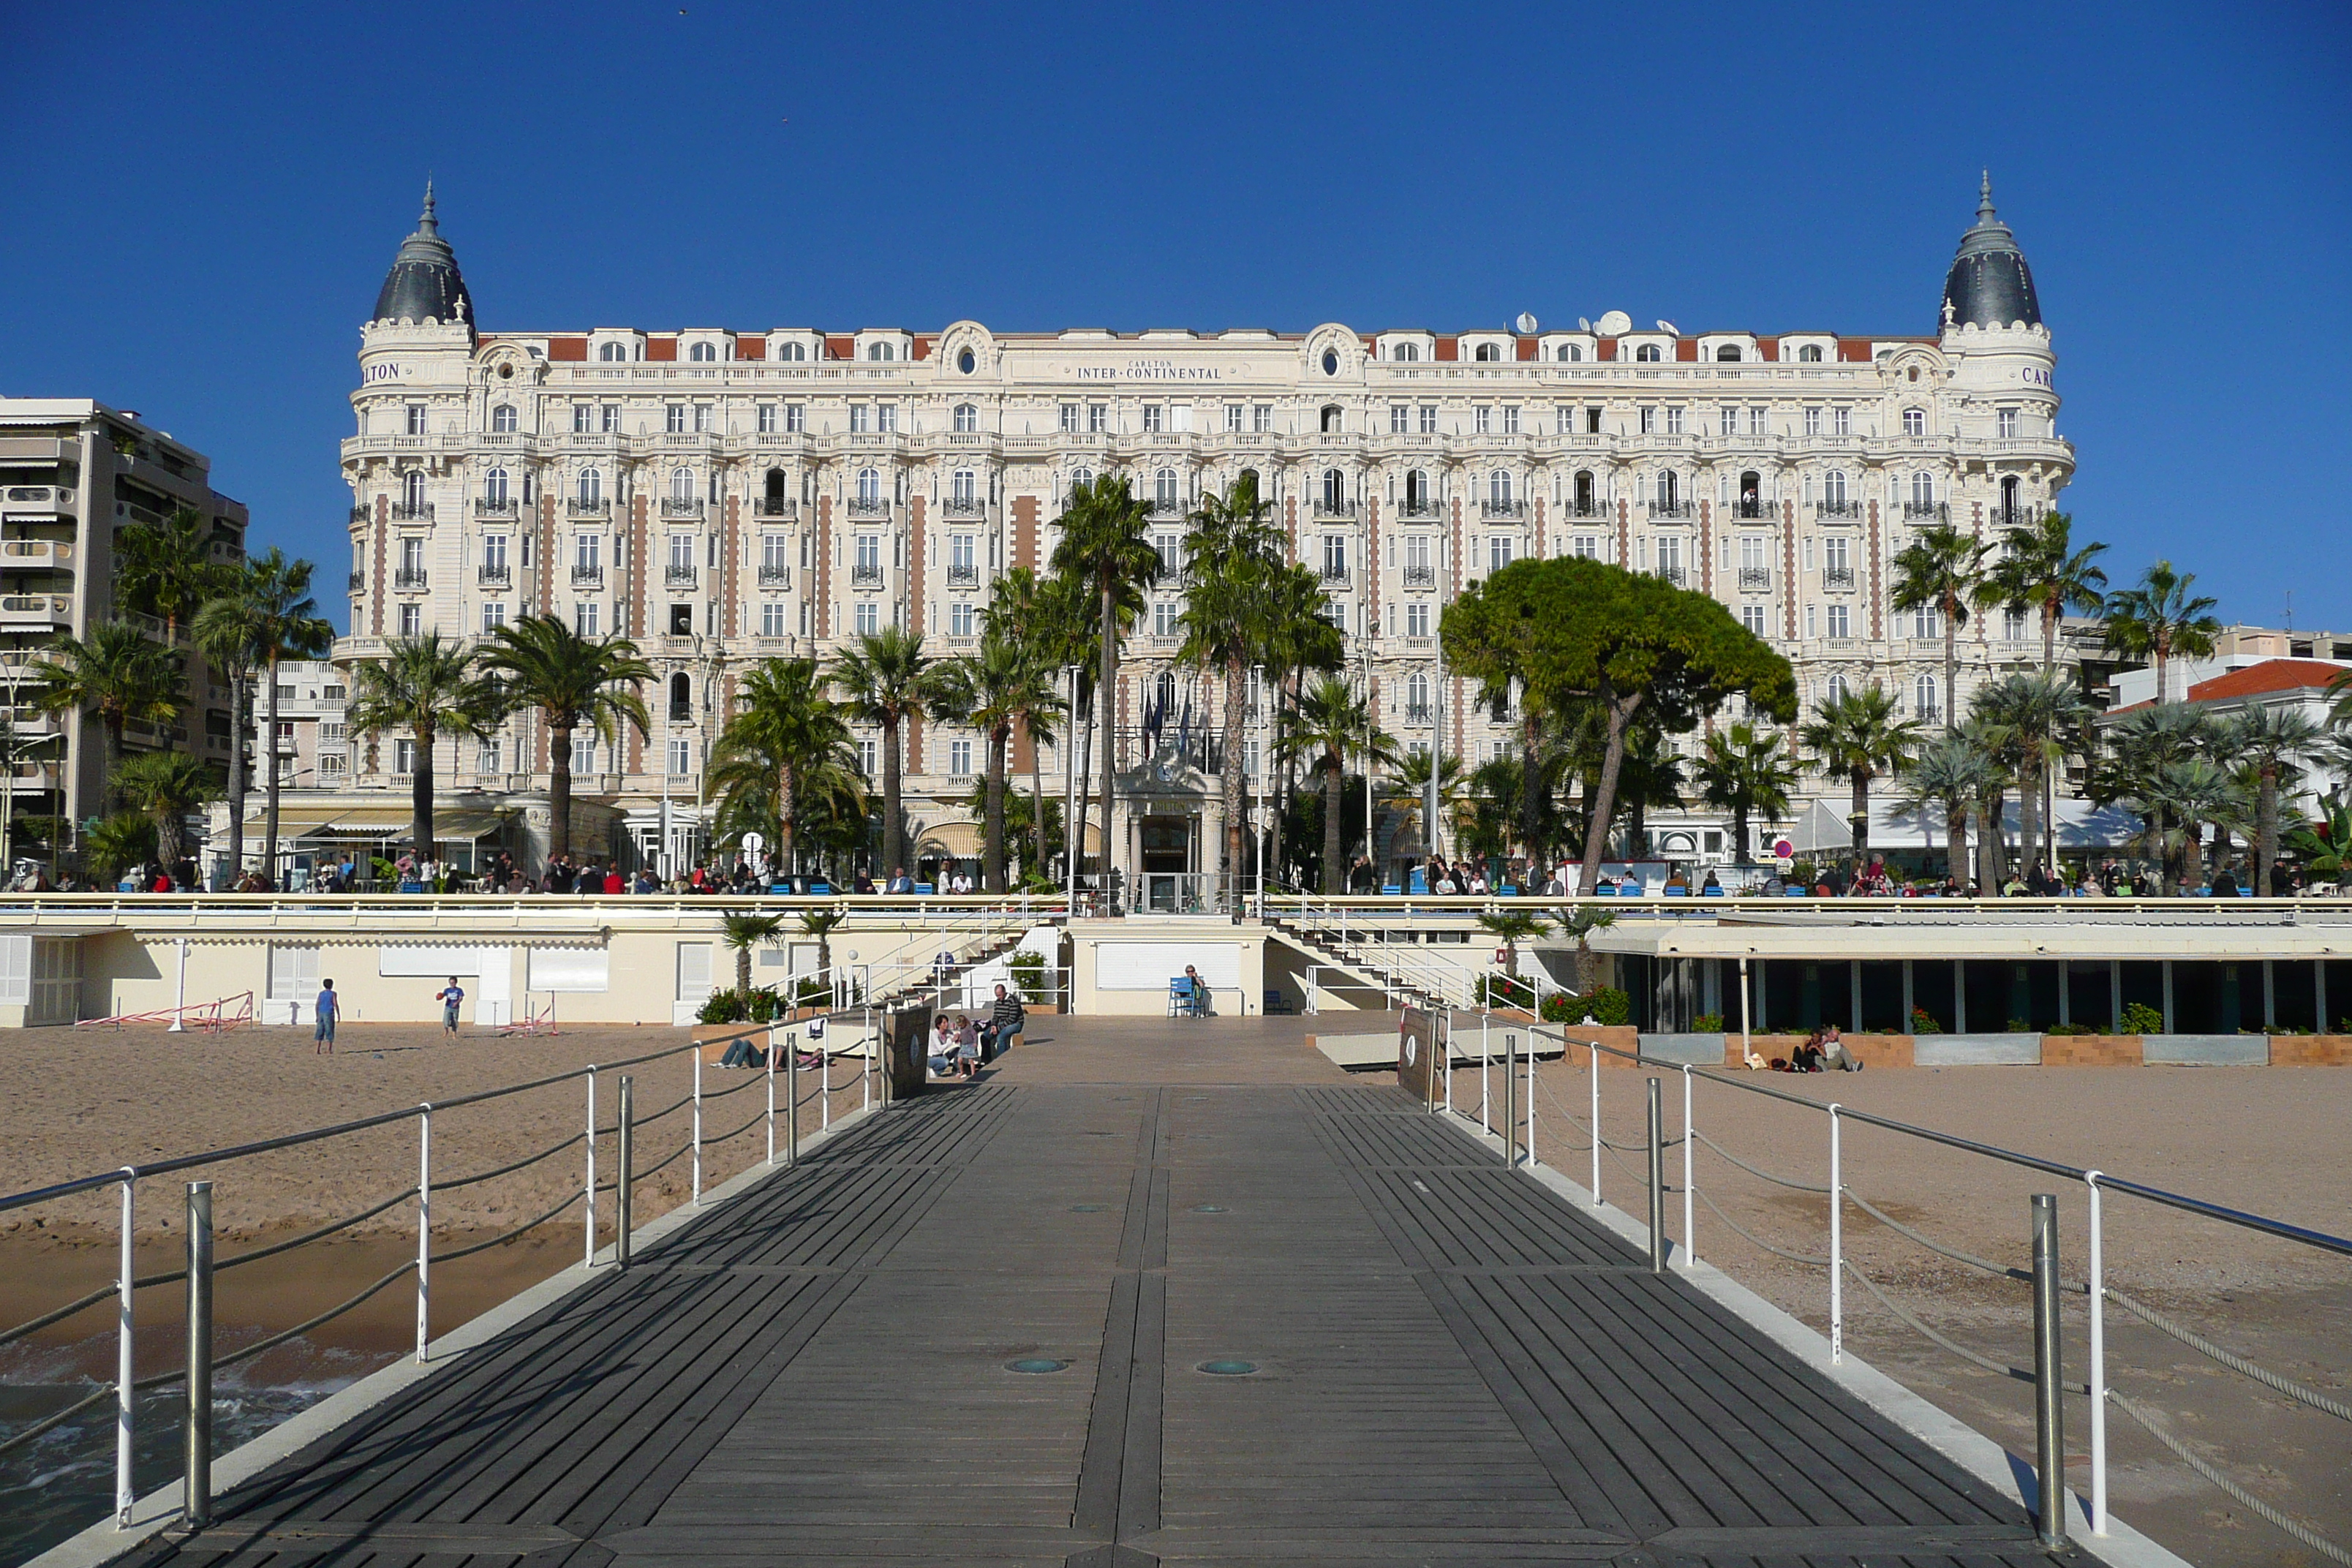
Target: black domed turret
pixel 425 280
pixel 1989 284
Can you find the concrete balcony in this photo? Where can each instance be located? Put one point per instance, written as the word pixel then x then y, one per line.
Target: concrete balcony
pixel 35 554
pixel 44 612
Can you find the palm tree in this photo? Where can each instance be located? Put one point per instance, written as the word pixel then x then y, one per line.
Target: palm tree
pixel 1939 571
pixel 1649 773
pixel 1106 544
pixel 1581 923
pixel 2030 720
pixel 430 687
pixel 166 569
pixel 786 745
pixel 2176 805
pixel 1330 721
pixel 821 924
pixel 2159 620
pixel 278 592
pixel 227 631
pixel 2001 761
pixel 1857 734
pixel 117 672
pixel 1409 797
pixel 2267 739
pixel 1018 613
pixel 1745 772
pixel 742 932
pixel 884 679
pixel 2040 569
pixel 116 844
pixel 987 690
pixel 541 662
pixel 1513 927
pixel 1952 772
pixel 1298 641
pixel 1233 549
pixel 167 785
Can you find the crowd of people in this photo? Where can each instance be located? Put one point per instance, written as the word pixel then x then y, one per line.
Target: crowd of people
pixel 1873 879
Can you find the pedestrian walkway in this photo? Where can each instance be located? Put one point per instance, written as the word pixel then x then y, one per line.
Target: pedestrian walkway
pixel 1153 1292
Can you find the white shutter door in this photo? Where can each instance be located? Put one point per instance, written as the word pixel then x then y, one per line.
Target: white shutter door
pixel 15 971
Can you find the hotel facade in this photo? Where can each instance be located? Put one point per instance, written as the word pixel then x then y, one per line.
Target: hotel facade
pixel 726 496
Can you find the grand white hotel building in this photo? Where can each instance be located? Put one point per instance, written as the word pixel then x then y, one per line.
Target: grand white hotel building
pixel 727 496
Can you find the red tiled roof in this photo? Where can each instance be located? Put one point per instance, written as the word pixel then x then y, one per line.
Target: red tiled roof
pixel 2271 675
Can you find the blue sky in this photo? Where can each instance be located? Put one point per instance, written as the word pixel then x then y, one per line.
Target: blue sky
pixel 204 200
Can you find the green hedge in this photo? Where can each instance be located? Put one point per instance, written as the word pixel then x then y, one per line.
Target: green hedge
pixel 1606 1006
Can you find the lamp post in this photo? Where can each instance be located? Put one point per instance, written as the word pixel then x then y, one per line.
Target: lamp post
pixel 1073 831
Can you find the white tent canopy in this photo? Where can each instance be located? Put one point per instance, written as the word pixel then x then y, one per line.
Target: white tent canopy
pixel 2081 825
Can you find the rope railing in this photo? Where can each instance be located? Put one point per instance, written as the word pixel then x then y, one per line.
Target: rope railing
pixel 2153 1426
pixel 2275 1382
pixel 472 1247
pixel 1757 1172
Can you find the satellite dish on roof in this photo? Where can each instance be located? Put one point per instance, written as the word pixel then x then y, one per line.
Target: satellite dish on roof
pixel 1582 325
pixel 1615 322
pixel 1526 323
pixel 1670 326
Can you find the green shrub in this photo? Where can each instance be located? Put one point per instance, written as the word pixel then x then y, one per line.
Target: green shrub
pixel 1802 873
pixel 720 1007
pixel 2070 1029
pixel 761 1004
pixel 1028 972
pixel 1708 1023
pixel 2140 1018
pixel 2020 1027
pixel 1560 1008
pixel 1503 991
pixel 1924 1021
pixel 1610 1006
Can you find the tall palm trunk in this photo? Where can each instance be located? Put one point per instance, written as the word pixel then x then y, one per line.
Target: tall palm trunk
pixel 558 791
pixel 1228 780
pixel 1036 857
pixel 1956 842
pixel 420 792
pixel 270 786
pixel 240 701
pixel 784 856
pixel 2029 808
pixel 991 864
pixel 1074 829
pixel 1951 663
pixel 1334 786
pixel 1860 820
pixel 1604 798
pixel 893 827
pixel 1530 783
pixel 2049 638
pixel 1107 697
pixel 2266 826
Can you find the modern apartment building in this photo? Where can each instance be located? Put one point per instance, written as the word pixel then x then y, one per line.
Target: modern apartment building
pixel 72 473
pixel 724 496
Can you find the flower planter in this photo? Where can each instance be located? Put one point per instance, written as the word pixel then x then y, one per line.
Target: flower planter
pixel 2091 1050
pixel 2205 1050
pixel 1976 1050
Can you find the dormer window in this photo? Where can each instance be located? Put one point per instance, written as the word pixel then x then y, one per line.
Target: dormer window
pixel 1728 353
pixel 702 353
pixel 1487 354
pixel 1406 353
pixel 1810 353
pixel 1647 353
pixel 609 352
pixel 790 350
pixel 1569 353
pixel 881 352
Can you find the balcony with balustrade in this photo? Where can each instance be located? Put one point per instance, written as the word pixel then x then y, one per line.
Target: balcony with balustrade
pixel 589 506
pixel 495 506
pixel 47 499
pixel 1583 506
pixel 1927 512
pixel 412 579
pixel 775 576
pixel 867 505
pixel 1422 509
pixel 1334 508
pixel 966 576
pixel 687 509
pixel 1756 579
pixel 963 506
pixel 677 576
pixel 362 513
pixel 1335 573
pixel 1494 510
pixel 1754 509
pixel 1838 579
pixel 1838 511
pixel 865 574
pixel 496 576
pixel 587 575
pixel 1660 510
pixel 775 506
pixel 359 580
pixel 1672 574
pixel 1418 576
pixel 422 511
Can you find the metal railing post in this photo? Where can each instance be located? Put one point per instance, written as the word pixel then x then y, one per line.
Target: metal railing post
pixel 1657 1180
pixel 1690 1250
pixel 824 1083
pixel 625 1176
pixel 196 1448
pixel 791 1099
pixel 695 1135
pixel 125 1494
pixel 2049 1394
pixel 867 1063
pixel 772 1096
pixel 1511 1100
pixel 1485 1065
pixel 2098 1381
pixel 1837 1243
pixel 1593 1066
pixel 424 1229
pixel 1507 1038
pixel 589 1191
pixel 1449 1072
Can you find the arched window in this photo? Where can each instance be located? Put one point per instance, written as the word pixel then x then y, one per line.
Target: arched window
pixel 1836 690
pixel 1254 482
pixel 494 487
pixel 1335 490
pixel 592 486
pixel 1487 352
pixel 702 353
pixel 1164 691
pixel 412 492
pixel 967 418
pixel 1406 353
pixel 1081 478
pixel 963 489
pixel 1416 697
pixel 1923 693
pixel 1163 491
pixel 881 352
pixel 611 351
pixel 869 486
pixel 1923 490
pixel 1584 496
pixel 2010 516
pixel 1751 494
pixel 1833 489
pixel 1670 491
pixel 1418 498
pixel 1728 353
pixel 773 489
pixel 1569 353
pixel 1331 419
pixel 1914 422
pixel 502 419
pixel 1647 353
pixel 1498 489
pixel 789 351
pixel 1810 354
pixel 681 485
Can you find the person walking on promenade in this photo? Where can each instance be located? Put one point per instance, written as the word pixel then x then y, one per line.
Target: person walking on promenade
pixel 449 996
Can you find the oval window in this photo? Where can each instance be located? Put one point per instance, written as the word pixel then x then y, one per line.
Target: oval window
pixel 965 361
pixel 506 373
pixel 1330 363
